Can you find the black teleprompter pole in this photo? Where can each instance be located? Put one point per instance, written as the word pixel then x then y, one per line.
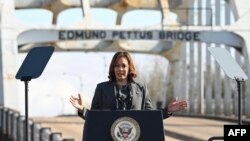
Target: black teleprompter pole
pixel 26 83
pixel 239 88
pixel 31 68
pixel 26 111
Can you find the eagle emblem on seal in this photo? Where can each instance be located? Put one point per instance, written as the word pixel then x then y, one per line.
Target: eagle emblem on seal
pixel 125 129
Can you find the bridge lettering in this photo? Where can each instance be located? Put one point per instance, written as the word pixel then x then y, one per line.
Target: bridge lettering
pixel 128 35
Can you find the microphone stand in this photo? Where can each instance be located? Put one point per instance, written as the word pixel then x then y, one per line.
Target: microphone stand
pixel 124 105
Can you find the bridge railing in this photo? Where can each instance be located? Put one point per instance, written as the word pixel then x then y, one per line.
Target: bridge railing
pixel 12 128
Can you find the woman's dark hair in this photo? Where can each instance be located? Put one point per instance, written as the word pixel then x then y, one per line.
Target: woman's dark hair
pixel 131 71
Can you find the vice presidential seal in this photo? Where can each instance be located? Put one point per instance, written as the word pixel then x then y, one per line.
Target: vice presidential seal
pixel 125 129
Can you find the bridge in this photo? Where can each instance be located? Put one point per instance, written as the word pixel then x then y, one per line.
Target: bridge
pixel 183 41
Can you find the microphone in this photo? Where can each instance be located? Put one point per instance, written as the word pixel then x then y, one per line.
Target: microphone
pixel 122 96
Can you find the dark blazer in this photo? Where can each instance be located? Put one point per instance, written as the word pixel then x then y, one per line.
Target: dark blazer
pixel 105 98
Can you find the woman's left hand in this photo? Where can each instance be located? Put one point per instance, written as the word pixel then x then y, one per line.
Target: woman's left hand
pixel 175 105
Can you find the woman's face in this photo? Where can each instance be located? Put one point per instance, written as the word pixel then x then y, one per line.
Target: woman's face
pixel 121 69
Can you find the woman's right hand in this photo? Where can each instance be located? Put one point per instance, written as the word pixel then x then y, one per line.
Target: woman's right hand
pixel 77 102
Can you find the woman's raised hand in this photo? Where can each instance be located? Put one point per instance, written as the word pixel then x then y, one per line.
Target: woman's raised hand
pixel 175 105
pixel 77 102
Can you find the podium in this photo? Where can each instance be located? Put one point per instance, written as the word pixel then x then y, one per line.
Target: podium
pixel 123 125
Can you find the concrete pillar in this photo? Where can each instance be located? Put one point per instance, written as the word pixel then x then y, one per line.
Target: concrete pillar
pixel 8 53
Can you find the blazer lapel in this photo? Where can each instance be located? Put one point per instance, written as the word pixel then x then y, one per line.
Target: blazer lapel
pixel 110 92
pixel 137 97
